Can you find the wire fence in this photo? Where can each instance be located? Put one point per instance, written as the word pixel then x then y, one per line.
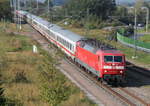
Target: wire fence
pixel 133 43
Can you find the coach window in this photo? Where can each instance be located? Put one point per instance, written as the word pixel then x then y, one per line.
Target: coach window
pixel 61 40
pixel 64 42
pixel 67 45
pixel 72 47
pixel 58 38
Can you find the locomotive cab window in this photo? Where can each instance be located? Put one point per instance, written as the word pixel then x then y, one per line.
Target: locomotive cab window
pixel 108 58
pixel 113 58
pixel 117 58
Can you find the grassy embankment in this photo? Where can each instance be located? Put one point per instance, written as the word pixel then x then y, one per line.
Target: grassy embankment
pixel 31 79
pixel 143 58
pixel 145 38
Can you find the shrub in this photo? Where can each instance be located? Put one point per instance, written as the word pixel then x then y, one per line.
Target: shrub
pixel 21 77
pixel 2 99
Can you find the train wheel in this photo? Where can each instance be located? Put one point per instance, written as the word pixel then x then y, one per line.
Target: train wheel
pixel 89 72
pixel 98 78
pixel 101 80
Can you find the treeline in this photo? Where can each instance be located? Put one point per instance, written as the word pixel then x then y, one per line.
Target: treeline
pixel 86 13
pixel 5 10
pixel 100 8
pixel 126 13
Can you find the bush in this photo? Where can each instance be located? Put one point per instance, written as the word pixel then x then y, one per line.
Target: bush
pixel 21 77
pixel 55 88
pixel 2 99
pixel 55 93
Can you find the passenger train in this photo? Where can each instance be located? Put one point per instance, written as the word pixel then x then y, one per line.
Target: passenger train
pixel 102 60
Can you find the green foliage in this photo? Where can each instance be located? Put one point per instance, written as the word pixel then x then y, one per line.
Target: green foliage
pixel 100 8
pixel 55 93
pixel 54 89
pixel 2 99
pixel 5 10
pixel 145 38
pixel 126 31
pixel 21 77
pixel 92 22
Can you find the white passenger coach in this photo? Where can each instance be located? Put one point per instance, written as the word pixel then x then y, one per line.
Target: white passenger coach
pixel 64 39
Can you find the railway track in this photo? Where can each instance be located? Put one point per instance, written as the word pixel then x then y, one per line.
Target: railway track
pixel 139 70
pixel 119 92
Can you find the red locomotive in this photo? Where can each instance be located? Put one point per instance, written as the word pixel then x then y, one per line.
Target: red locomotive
pixel 102 60
pixel 96 57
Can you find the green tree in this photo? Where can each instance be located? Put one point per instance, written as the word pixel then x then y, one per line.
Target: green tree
pixel 100 8
pixel 5 10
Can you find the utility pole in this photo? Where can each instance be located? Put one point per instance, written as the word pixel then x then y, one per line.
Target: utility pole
pixel 25 4
pixel 37 4
pixel 147 17
pixel 147 22
pixel 15 16
pixel 48 6
pixel 135 31
pixel 19 17
pixel 87 20
pixel 11 3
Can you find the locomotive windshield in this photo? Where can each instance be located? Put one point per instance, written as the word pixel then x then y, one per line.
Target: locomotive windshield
pixel 113 58
pixel 117 58
pixel 108 58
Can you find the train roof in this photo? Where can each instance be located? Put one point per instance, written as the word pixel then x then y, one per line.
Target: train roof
pixel 112 51
pixel 97 47
pixel 63 32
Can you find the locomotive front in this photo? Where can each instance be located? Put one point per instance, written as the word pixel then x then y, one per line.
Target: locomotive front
pixel 112 65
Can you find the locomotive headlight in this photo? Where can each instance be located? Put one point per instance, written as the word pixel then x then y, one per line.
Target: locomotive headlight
pixel 121 72
pixel 105 71
pixel 107 67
